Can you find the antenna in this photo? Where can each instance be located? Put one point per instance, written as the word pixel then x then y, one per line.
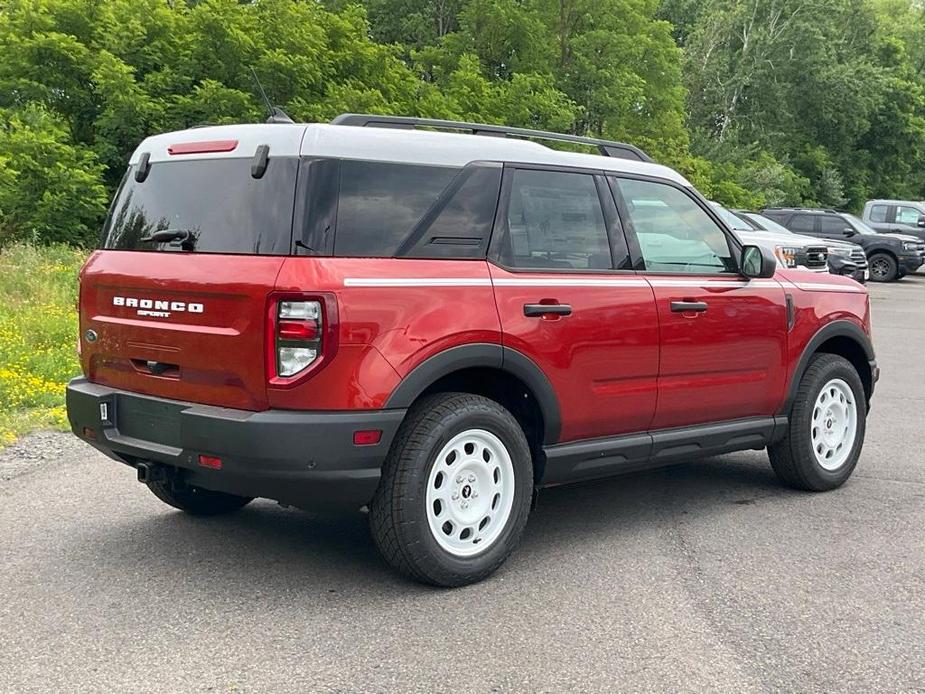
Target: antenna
pixel 277 115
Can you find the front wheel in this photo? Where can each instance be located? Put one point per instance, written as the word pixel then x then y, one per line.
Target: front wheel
pixel 883 267
pixel 827 425
pixel 455 491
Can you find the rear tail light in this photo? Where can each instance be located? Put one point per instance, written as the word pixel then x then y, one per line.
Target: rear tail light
pixel 300 333
pixel 298 336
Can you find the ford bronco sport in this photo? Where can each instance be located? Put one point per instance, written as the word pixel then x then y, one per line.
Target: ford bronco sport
pixel 435 325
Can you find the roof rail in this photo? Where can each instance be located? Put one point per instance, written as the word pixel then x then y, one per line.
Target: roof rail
pixel 607 148
pixel 828 210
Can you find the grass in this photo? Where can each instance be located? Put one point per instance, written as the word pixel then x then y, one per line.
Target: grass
pixel 38 336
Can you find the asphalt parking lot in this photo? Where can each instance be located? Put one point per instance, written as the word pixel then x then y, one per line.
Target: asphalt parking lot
pixel 706 576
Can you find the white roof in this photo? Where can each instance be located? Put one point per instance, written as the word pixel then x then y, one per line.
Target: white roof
pixel 386 144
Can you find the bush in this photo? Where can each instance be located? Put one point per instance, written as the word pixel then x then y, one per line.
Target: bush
pixel 38 335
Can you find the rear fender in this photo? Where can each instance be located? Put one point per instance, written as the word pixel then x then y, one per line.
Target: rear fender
pixel 483 355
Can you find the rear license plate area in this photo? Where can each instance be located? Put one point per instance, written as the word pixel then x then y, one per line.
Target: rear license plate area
pixel 149 420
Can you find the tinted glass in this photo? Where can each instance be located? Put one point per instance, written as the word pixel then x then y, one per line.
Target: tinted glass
pixel 907 215
pixel 555 220
pixel 224 209
pixel 833 226
pixel 767 223
pixel 380 204
pixel 733 221
pixel 674 232
pixel 459 226
pixel 802 223
pixel 878 213
pixel 857 224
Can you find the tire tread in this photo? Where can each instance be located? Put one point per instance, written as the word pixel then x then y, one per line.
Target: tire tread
pixel 391 522
pixel 787 455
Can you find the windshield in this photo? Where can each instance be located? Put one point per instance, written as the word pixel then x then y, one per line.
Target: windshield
pixel 859 226
pixel 205 206
pixel 732 221
pixel 767 223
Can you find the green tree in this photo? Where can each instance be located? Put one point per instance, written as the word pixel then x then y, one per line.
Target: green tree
pixel 823 85
pixel 50 189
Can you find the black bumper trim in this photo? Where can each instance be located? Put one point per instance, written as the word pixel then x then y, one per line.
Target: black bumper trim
pixel 306 459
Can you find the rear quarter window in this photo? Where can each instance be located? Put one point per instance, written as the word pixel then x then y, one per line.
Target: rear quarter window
pixel 406 210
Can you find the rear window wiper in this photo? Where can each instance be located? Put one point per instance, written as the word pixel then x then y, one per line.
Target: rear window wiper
pixel 184 236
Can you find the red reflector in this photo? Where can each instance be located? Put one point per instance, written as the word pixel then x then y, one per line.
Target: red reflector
pixel 204 146
pixel 297 330
pixel 367 437
pixel 211 462
pixel 89 434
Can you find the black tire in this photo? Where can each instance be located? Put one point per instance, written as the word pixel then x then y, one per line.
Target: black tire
pixel 793 458
pixel 197 501
pixel 398 515
pixel 883 267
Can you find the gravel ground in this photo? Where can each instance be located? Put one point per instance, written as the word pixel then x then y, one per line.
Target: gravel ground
pixel 707 576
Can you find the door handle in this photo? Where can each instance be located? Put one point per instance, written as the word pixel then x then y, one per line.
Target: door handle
pixel 537 310
pixel 685 306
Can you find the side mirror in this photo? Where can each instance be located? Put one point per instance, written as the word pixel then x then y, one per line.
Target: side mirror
pixel 758 262
pixel 922 221
pixel 849 232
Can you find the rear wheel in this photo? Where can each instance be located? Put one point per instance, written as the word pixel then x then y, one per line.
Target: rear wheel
pixel 827 425
pixel 883 267
pixel 196 500
pixel 455 490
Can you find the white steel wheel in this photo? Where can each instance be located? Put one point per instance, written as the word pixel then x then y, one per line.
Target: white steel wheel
pixel 470 492
pixel 834 424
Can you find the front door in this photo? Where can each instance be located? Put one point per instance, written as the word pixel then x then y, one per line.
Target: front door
pixel 723 337
pixel 568 301
pixel 909 220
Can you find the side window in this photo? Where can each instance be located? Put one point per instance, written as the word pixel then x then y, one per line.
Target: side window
pixel 555 220
pixel 674 232
pixel 459 225
pixel 833 227
pixel 380 203
pixel 802 223
pixel 907 215
pixel 878 213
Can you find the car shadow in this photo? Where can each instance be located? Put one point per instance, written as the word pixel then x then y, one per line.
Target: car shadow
pixel 267 548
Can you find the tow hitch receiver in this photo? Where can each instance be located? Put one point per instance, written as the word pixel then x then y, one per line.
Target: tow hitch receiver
pixel 151 472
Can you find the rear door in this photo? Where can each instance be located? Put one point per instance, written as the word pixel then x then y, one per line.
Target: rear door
pixel 723 337
pixel 569 301
pixel 182 314
pixel 803 224
pixel 878 217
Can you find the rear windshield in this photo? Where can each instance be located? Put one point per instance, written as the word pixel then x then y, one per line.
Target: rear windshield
pixel 222 207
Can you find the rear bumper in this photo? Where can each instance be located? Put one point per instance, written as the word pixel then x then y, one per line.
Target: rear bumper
pixel 306 459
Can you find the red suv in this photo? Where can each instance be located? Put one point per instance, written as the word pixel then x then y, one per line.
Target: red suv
pixel 434 325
